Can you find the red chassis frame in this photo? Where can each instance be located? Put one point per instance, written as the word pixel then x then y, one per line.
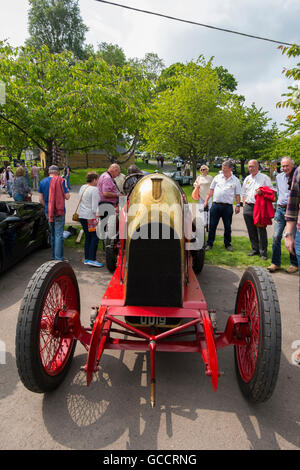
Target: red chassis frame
pixel 193 313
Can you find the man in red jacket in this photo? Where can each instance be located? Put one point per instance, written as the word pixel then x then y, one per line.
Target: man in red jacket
pixel 52 195
pixel 257 235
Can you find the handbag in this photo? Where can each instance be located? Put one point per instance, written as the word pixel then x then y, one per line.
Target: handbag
pixel 195 194
pixel 75 216
pixel 92 225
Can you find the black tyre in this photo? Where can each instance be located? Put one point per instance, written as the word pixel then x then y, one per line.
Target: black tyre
pixel 43 356
pixel 111 244
pixel 47 238
pixel 111 256
pixel 257 362
pixel 198 257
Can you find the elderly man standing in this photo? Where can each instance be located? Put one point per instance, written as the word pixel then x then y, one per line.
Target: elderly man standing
pixel 35 177
pixel 225 187
pixel 283 183
pixel 257 235
pixel 52 195
pixel 107 187
pixel 109 193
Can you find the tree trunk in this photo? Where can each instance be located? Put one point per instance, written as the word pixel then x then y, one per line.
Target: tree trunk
pixel 194 163
pixel 49 157
pixel 243 173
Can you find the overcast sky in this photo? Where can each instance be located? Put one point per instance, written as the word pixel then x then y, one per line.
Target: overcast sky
pixel 257 65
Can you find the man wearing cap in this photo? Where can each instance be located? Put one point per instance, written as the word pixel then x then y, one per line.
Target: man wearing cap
pixel 52 195
pixel 225 187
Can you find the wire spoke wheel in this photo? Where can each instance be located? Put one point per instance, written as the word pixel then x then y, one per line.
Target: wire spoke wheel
pixel 55 350
pixel 257 361
pixel 247 355
pixel 43 353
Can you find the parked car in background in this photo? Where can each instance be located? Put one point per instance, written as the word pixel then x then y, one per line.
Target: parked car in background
pixel 23 228
pixel 182 180
pixel 200 163
pixel 218 162
pixel 177 159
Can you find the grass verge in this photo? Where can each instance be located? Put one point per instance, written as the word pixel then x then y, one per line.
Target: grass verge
pixel 238 258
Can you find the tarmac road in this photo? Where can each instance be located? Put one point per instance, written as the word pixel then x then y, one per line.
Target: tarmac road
pixel 114 412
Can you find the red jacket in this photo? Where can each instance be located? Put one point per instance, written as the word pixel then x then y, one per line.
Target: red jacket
pixel 56 201
pixel 263 209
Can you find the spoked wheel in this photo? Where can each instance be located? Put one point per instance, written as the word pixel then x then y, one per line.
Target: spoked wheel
pixel 257 362
pixel 43 354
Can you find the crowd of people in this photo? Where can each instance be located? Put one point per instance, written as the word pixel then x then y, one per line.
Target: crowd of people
pixel 258 197
pixel 17 184
pixel 221 197
pixel 216 197
pixel 54 190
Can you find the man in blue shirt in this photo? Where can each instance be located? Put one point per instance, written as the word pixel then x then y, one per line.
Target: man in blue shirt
pixel 57 226
pixel 283 192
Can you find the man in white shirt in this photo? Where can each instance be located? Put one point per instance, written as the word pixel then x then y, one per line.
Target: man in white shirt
pixel 283 191
pixel 225 187
pixel 257 235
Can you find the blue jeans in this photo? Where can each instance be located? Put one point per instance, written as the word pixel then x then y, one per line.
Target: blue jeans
pixel 67 178
pixel 279 225
pixel 220 211
pixel 91 241
pixel 57 237
pixel 297 247
pixel 18 197
pixel 9 187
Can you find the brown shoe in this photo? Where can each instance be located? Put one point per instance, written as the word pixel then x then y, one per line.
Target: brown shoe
pixel 291 269
pixel 273 268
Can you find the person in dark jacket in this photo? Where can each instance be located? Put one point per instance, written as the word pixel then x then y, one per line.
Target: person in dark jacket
pixel 20 187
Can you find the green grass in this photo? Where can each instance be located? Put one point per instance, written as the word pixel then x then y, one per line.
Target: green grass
pixel 238 258
pixel 78 175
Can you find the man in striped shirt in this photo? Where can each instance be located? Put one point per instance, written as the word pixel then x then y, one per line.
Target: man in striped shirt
pixel 283 184
pixel 292 217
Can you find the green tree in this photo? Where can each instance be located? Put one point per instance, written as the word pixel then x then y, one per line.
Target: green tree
pixel 112 54
pixel 195 117
pixel 256 136
pixel 52 100
pixel 293 96
pixel 285 146
pixel 150 65
pixel 227 80
pixel 58 25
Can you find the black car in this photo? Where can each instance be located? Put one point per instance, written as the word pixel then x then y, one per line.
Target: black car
pixel 23 228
